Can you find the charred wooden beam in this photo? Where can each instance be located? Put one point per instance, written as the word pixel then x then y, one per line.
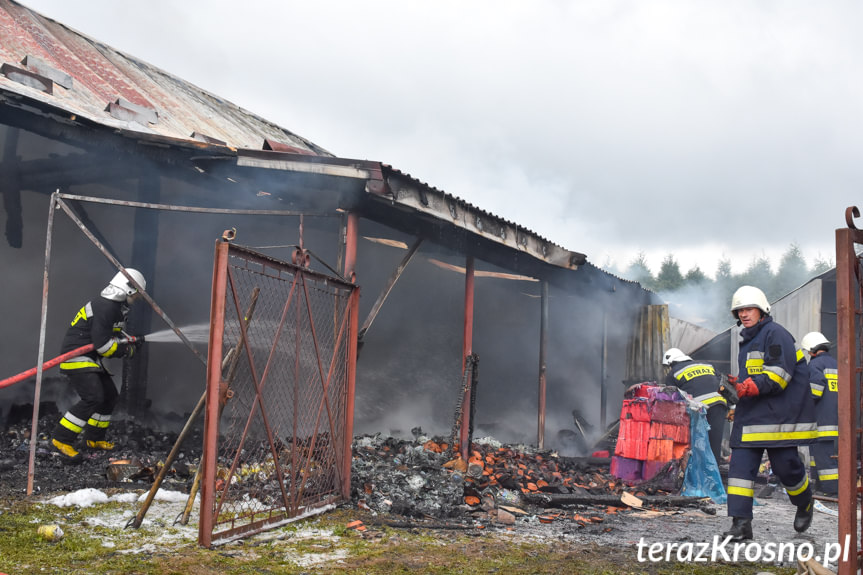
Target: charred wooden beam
pixel 559 500
pixel 9 184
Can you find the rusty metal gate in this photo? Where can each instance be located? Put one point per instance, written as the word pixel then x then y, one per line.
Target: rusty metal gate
pixel 849 354
pixel 280 393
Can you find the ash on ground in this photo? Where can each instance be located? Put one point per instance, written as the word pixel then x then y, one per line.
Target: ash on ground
pixel 140 447
pixel 519 490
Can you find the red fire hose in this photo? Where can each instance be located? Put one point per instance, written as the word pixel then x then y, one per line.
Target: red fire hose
pixel 47 365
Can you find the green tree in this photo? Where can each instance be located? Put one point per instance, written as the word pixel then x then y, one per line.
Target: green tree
pixel 696 277
pixel 669 277
pixel 820 265
pixel 759 274
pixel 639 271
pixel 792 272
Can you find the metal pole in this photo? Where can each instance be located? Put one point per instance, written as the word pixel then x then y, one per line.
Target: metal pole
pixel 467 349
pixel 173 208
pixel 603 373
pixel 214 377
pixel 34 429
pixel 846 342
pixel 543 340
pixel 388 288
pixel 351 237
pixel 354 310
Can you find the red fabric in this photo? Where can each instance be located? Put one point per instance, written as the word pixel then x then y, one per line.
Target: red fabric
pixel 732 379
pixel 747 388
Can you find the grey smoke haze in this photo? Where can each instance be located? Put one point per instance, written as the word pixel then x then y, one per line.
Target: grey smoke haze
pixel 708 129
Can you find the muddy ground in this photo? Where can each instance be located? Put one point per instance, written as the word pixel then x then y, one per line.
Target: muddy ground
pixel 619 531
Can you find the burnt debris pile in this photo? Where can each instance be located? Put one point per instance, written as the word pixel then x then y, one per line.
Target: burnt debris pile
pixel 141 447
pixel 423 479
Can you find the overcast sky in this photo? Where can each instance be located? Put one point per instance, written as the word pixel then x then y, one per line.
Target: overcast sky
pixel 702 129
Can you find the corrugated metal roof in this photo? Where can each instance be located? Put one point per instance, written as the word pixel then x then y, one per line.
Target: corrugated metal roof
pixel 96 82
pixel 47 61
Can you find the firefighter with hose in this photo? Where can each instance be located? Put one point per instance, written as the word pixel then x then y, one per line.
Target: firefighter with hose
pixel 100 322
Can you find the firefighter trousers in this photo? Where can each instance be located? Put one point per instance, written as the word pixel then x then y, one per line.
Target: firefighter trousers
pixel 826 466
pixel 743 469
pixel 92 414
pixel 716 420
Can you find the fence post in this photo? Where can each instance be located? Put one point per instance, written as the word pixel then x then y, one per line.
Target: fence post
pixel 214 376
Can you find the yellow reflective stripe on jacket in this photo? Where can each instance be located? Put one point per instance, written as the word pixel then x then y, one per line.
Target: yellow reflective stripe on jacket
pixel 754 362
pixel 711 398
pixel 828 431
pixel 777 375
pixel 817 389
pixel 696 370
pixel 109 348
pixel 799 354
pixel 783 432
pixel 832 377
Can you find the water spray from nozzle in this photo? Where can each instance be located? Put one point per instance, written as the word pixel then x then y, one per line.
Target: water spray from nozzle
pixel 196 333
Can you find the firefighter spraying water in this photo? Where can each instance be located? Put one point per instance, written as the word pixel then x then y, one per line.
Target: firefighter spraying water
pixel 100 323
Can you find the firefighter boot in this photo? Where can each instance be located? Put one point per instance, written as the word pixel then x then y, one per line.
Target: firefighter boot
pixel 68 454
pixel 741 529
pixel 100 445
pixel 803 517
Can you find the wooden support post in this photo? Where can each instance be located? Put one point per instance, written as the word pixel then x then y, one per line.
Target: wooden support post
pixel 467 349
pixel 543 341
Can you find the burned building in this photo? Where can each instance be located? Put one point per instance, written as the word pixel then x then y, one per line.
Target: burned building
pixel 154 169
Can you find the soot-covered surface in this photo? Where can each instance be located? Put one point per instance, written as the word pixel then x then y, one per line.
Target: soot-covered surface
pixel 142 445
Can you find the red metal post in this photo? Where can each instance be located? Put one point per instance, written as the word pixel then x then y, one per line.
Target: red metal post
pixel 214 377
pixel 846 347
pixel 467 349
pixel 543 339
pixel 351 237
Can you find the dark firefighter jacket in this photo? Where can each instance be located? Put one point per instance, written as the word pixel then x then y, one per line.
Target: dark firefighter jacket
pixel 99 322
pixel 698 380
pixel 783 414
pixel 823 379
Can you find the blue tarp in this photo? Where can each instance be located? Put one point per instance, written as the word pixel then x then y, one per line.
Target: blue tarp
pixel 702 477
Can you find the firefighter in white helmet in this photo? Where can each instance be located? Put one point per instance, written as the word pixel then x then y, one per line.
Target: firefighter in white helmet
pixel 100 322
pixel 699 380
pixel 823 382
pixel 774 412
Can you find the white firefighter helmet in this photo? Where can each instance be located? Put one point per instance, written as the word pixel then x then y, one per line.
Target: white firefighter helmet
pixel 749 296
pixel 120 288
pixel 813 341
pixel 674 355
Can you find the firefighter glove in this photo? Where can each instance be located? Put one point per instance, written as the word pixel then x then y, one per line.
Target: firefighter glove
pixel 747 388
pixel 732 379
